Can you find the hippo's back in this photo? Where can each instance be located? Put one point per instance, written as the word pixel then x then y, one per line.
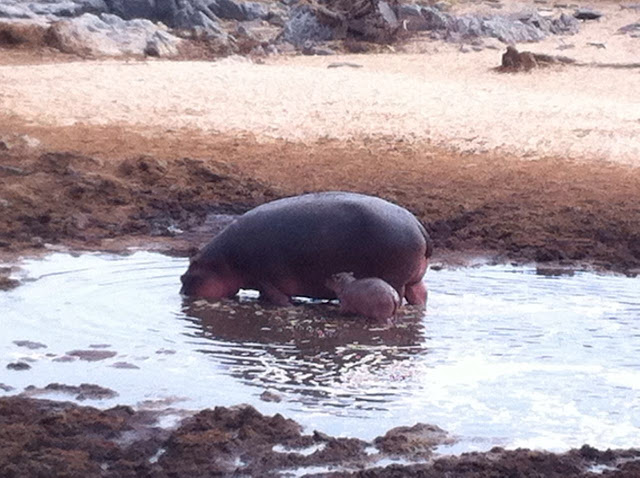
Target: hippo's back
pixel 304 239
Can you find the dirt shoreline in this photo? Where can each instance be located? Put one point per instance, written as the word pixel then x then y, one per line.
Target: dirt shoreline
pixel 106 188
pixel 49 438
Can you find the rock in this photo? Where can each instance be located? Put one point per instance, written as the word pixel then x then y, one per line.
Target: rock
pixel 343 64
pixel 268 396
pixel 303 26
pixel 241 11
pixel 18 366
pixel 416 441
pixel 6 388
pixel 29 344
pixel 161 44
pixel 13 11
pixel 92 355
pixel 631 28
pixel 587 14
pixel 112 36
pixel 513 61
pixel 130 9
pixel 310 49
pixel 84 391
pixel 125 365
pixel 388 15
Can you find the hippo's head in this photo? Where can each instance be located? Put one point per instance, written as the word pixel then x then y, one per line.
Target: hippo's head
pixel 337 281
pixel 208 280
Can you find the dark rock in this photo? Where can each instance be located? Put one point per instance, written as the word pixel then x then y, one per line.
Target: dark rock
pixel 6 388
pixel 268 396
pixel 18 366
pixel 304 26
pixel 92 355
pixel 631 28
pixel 241 11
pixel 587 14
pixel 84 391
pixel 343 64
pixel 29 344
pixel 416 441
pixel 12 171
pixel 125 365
pixel 310 49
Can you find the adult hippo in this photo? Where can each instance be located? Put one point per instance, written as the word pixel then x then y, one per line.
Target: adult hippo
pixel 292 246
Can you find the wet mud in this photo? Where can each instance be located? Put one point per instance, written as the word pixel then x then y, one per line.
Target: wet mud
pixel 151 190
pixel 49 438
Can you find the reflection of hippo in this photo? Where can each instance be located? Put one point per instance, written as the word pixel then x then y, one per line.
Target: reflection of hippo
pixel 370 297
pixel 291 246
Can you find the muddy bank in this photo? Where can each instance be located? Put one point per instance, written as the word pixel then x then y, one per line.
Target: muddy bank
pixel 117 185
pixel 48 438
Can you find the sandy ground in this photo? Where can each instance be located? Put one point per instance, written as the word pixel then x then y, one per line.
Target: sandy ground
pixel 441 95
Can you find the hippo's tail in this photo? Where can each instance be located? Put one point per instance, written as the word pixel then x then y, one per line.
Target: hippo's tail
pixel 428 241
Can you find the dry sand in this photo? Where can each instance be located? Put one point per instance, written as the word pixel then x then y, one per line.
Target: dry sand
pixel 441 95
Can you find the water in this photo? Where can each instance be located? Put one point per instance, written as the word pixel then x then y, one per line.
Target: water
pixel 504 356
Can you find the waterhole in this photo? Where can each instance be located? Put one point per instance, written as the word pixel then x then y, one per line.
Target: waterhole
pixel 503 356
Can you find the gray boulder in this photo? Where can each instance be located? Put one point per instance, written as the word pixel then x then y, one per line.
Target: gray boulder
pixel 241 11
pixel 633 28
pixel 303 26
pixel 587 14
pixel 12 11
pixel 50 9
pixel 528 26
pixel 110 35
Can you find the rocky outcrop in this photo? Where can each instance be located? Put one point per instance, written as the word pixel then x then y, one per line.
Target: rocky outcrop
pixel 528 26
pixel 110 35
pixel 264 27
pixel 369 20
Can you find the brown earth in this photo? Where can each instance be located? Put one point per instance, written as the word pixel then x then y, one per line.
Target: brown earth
pixel 46 438
pixel 92 187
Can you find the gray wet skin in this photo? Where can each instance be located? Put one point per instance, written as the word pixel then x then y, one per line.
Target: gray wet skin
pixel 369 297
pixel 291 246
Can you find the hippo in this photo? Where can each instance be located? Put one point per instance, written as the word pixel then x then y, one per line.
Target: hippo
pixel 291 246
pixel 370 297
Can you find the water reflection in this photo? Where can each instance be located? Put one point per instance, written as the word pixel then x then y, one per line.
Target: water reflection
pixel 308 349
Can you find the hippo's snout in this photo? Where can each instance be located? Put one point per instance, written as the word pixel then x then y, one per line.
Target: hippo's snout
pixel 190 283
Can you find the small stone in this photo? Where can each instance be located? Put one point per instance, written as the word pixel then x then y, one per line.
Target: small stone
pixel 92 355
pixel 125 365
pixel 65 358
pixel 268 396
pixel 13 171
pixel 587 14
pixel 18 366
pixel 29 344
pixel 6 388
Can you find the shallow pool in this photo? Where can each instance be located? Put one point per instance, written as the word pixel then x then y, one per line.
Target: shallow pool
pixel 503 356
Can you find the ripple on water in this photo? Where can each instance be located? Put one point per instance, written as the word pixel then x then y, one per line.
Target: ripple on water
pixel 504 356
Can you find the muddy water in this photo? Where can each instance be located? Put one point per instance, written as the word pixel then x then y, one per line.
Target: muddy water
pixel 504 356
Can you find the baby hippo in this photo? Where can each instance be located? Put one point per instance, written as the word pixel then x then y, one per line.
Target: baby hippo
pixel 370 297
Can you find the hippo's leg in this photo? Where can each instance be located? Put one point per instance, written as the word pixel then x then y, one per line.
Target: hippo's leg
pixel 416 293
pixel 273 295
